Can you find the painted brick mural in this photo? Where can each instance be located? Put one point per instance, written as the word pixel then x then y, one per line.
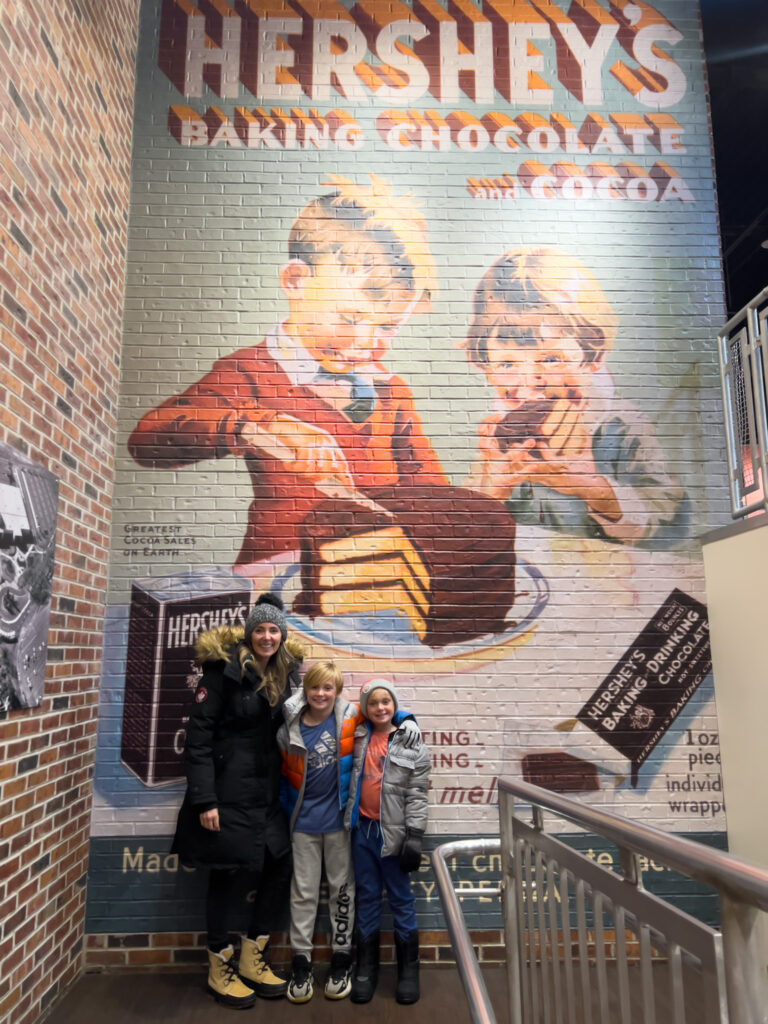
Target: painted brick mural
pixel 419 336
pixel 65 134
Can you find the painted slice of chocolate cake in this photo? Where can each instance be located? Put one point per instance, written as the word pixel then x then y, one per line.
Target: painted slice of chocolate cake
pixel 443 556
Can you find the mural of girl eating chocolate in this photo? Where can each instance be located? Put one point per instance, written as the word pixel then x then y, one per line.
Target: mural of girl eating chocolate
pixel 561 448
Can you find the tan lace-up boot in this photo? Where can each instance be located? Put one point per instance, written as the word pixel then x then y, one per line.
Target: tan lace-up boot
pixel 223 982
pixel 256 972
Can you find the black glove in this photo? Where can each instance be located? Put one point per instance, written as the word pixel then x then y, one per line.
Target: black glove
pixel 410 854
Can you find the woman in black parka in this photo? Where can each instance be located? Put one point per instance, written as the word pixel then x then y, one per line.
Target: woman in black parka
pixel 231 820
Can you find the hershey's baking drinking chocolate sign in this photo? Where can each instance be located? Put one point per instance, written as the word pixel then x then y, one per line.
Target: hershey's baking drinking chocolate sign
pixel 652 681
pixel 167 615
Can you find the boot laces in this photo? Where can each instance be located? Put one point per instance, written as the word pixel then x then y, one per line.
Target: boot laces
pixel 230 971
pixel 254 957
pixel 261 957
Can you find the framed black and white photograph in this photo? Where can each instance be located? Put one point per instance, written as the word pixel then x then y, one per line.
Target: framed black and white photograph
pixel 28 505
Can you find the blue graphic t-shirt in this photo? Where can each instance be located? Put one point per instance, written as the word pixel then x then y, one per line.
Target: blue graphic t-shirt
pixel 320 811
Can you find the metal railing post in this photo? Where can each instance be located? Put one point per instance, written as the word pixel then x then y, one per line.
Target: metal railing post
pixel 469 971
pixel 511 909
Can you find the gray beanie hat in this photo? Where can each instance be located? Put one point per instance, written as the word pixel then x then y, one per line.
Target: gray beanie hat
pixel 268 608
pixel 376 684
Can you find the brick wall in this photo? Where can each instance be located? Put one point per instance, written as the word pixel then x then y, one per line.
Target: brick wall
pixel 66 100
pixel 165 951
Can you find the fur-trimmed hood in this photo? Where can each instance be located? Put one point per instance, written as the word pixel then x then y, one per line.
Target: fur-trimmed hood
pixel 219 643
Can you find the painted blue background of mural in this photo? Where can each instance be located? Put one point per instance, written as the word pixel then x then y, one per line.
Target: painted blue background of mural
pixel 135 885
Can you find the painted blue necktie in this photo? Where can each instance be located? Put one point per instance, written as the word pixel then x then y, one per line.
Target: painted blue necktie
pixel 361 392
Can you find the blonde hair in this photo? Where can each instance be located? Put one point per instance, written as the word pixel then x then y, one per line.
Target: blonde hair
pixel 324 672
pixel 355 224
pixel 275 676
pixel 545 281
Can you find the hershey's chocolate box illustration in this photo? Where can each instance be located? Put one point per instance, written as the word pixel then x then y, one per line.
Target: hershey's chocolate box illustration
pixel 653 680
pixel 633 708
pixel 167 615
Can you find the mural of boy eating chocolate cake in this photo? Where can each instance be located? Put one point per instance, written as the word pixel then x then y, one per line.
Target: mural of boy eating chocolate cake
pixel 311 408
pixel 561 448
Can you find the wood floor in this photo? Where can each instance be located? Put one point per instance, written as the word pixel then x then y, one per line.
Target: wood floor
pixel 131 998
pixel 180 998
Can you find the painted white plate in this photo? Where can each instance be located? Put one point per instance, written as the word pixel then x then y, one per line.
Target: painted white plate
pixel 390 635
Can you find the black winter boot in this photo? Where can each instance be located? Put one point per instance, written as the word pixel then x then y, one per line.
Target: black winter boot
pixel 407 950
pixel 366 975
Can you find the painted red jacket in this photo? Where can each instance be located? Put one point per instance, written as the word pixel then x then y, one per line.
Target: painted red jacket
pixel 204 422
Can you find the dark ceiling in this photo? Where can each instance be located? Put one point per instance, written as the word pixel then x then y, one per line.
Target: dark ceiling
pixel 736 44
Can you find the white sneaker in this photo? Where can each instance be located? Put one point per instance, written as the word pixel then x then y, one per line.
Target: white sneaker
pixel 301 985
pixel 338 984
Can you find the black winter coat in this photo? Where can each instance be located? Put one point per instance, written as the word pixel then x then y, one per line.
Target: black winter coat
pixel 232 763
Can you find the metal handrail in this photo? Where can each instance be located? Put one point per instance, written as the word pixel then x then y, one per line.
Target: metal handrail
pixel 740 879
pixel 742 888
pixel 469 971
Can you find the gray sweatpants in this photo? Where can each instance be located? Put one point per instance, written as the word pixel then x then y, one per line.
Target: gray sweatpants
pixel 309 853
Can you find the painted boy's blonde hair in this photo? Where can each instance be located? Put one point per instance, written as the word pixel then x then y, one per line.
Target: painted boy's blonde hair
pixel 546 282
pixel 323 672
pixel 355 224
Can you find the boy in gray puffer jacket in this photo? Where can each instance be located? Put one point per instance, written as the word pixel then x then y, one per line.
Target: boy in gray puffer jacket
pixel 387 812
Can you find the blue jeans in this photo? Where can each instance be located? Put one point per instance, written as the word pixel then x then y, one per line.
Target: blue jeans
pixel 374 873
